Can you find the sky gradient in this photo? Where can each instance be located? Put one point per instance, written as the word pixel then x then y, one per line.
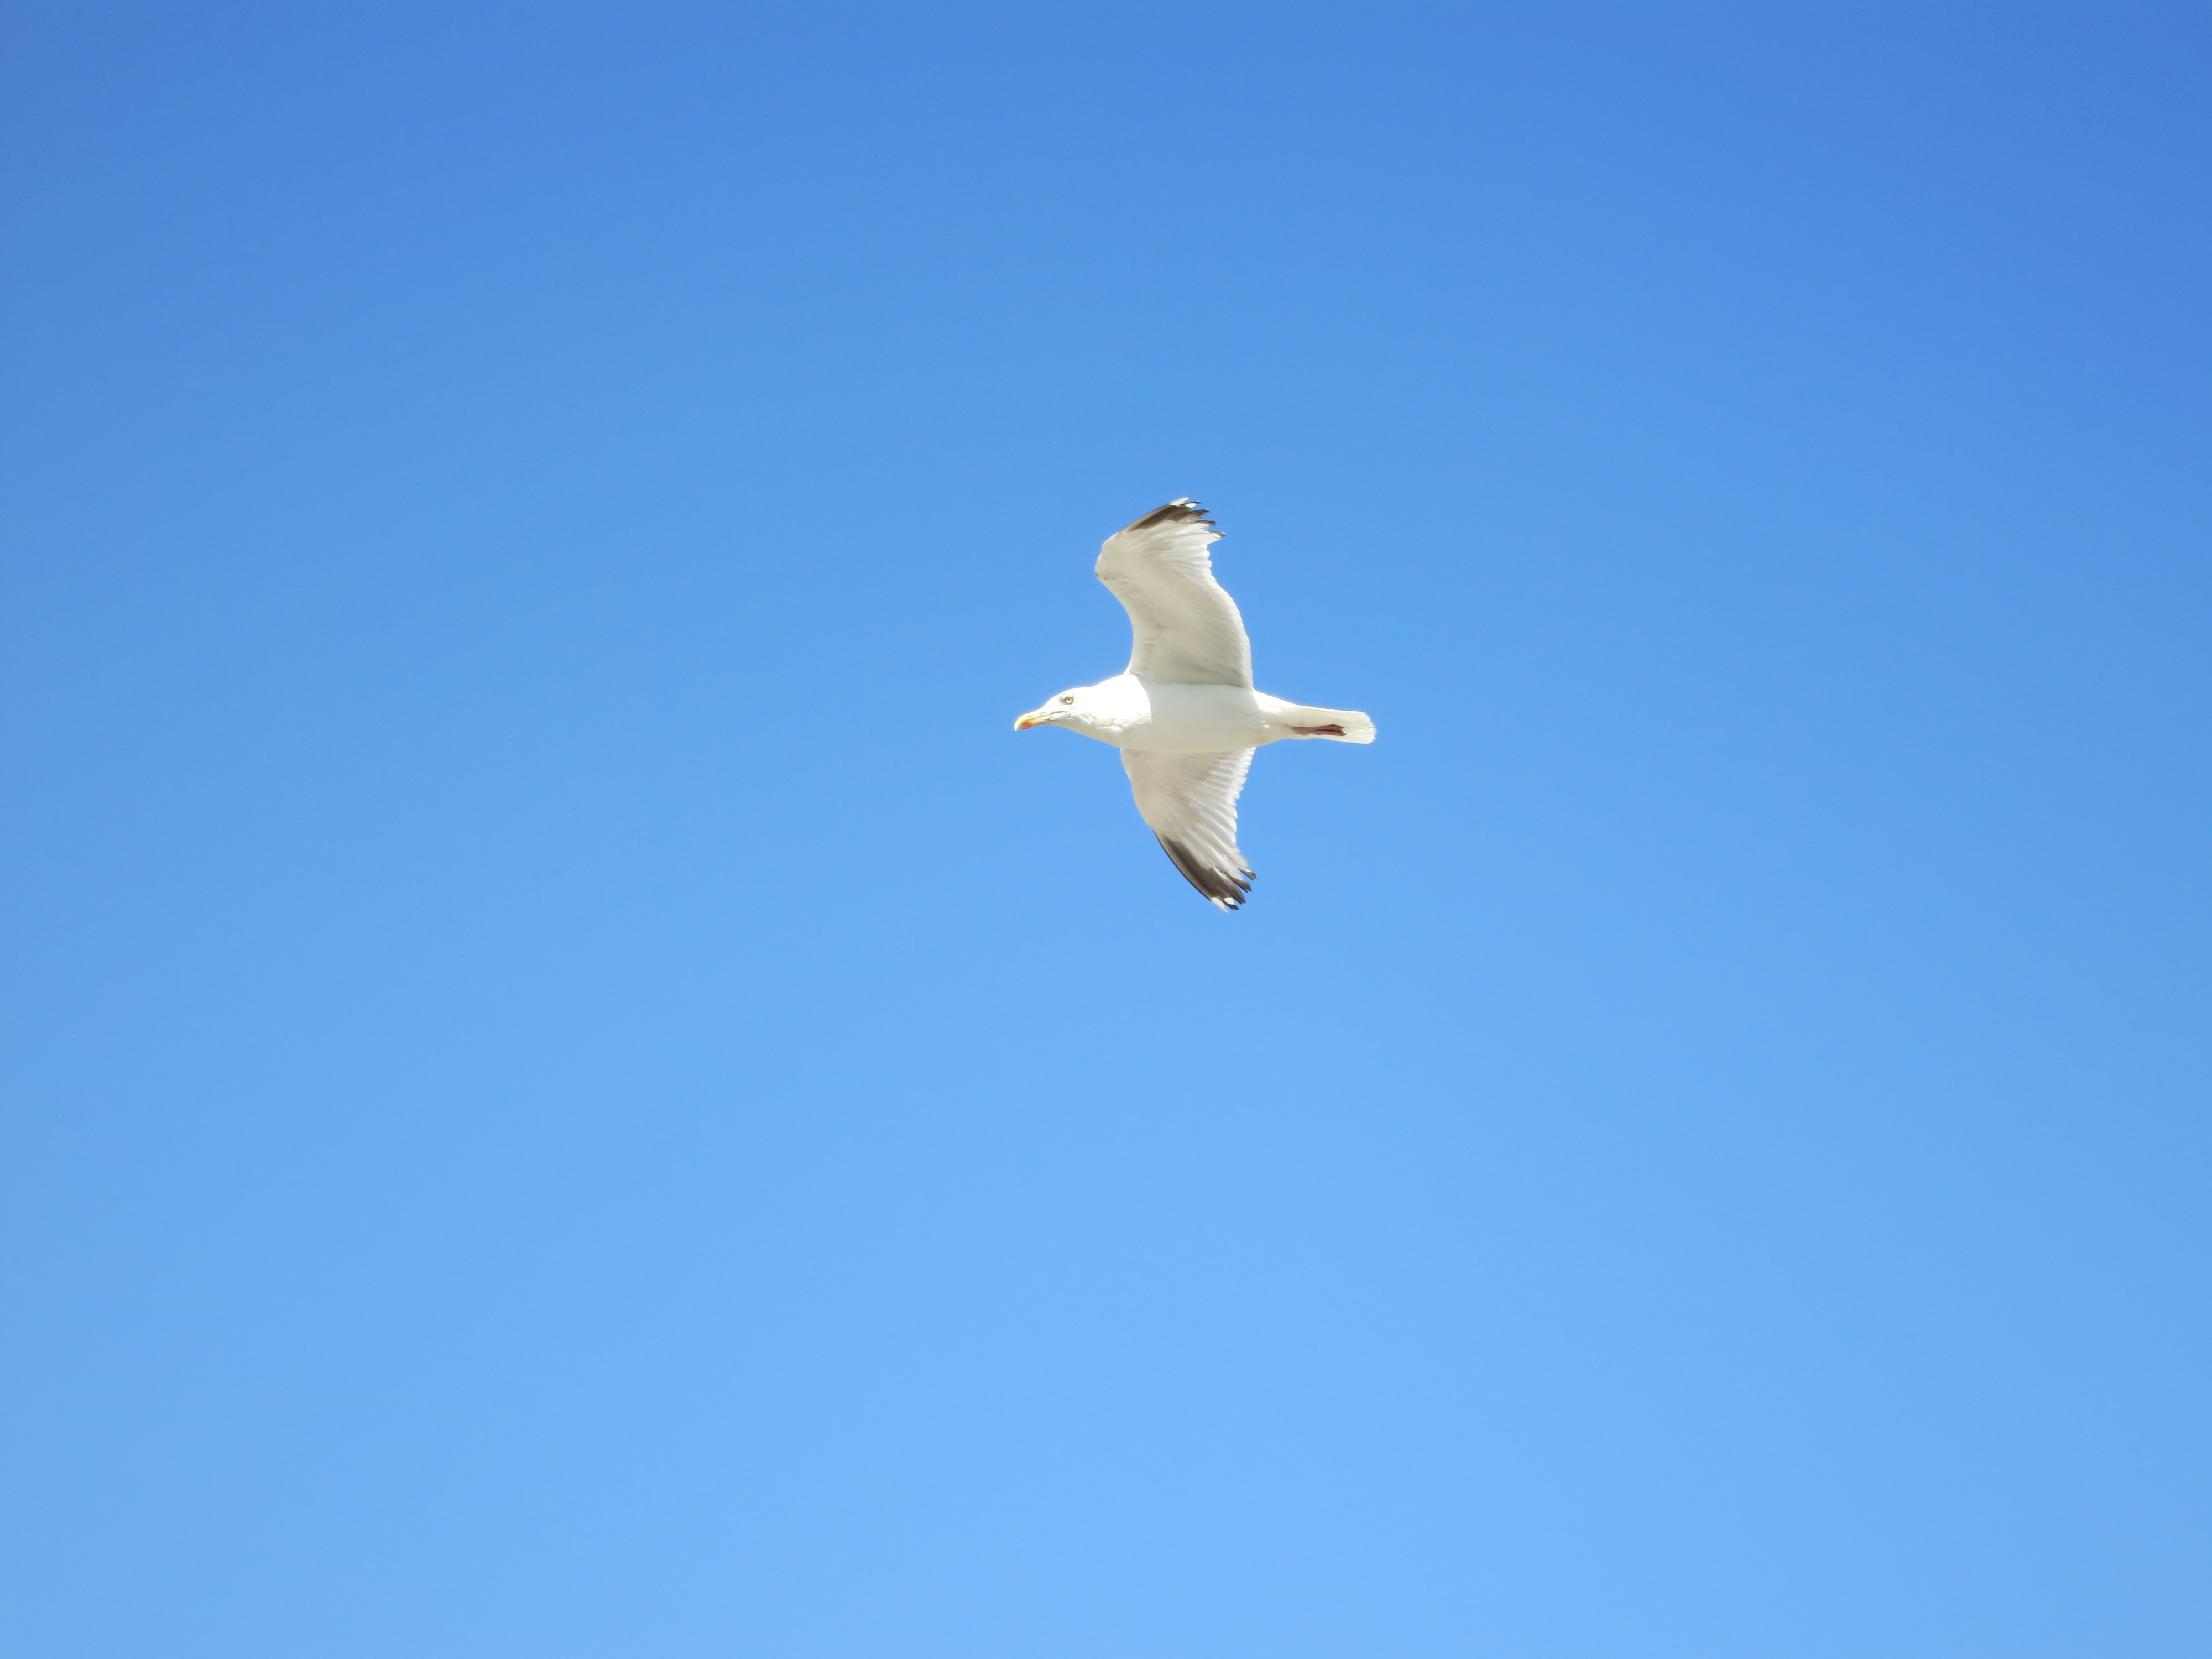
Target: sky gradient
pixel 577 1092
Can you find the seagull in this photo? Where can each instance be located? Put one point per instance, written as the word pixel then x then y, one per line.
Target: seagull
pixel 1184 714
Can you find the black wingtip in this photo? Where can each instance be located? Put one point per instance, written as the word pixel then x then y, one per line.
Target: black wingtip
pixel 1183 511
pixel 1225 888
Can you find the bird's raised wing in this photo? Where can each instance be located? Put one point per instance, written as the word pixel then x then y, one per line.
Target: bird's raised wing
pixel 1187 631
pixel 1190 801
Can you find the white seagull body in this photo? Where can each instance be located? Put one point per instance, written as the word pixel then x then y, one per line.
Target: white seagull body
pixel 1184 714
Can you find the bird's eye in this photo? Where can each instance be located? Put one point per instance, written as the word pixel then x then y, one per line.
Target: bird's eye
pixel 1067 700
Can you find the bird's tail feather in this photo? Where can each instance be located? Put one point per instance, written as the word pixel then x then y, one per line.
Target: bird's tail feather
pixel 1338 725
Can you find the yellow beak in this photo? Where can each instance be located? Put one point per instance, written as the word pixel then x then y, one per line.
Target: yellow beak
pixel 1034 717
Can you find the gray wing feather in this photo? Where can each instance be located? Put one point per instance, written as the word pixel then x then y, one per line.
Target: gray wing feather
pixel 1190 801
pixel 1187 628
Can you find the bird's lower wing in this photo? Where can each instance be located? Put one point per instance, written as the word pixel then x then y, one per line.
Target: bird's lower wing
pixel 1190 801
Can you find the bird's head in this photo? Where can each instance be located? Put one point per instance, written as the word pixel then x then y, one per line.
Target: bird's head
pixel 1070 708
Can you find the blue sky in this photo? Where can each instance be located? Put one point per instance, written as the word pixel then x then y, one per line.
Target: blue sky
pixel 577 1092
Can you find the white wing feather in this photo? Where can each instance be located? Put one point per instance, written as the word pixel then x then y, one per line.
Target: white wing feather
pixel 1187 631
pixel 1190 801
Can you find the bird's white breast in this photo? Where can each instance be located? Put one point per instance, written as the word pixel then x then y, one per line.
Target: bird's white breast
pixel 1184 719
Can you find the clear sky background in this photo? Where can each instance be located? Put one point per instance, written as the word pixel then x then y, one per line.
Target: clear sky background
pixel 578 1093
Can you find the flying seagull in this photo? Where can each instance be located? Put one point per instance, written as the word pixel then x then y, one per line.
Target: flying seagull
pixel 1184 714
